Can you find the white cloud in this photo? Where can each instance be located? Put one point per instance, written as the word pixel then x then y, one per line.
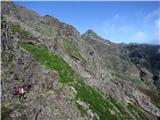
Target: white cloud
pixel 143 37
pixel 108 28
pixel 118 29
pixel 152 15
pixel 139 37
pixel 157 30
pixel 152 20
pixel 157 23
pixel 125 28
pixel 119 18
pixel 111 28
pixel 156 38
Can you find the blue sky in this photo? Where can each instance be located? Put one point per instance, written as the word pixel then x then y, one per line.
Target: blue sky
pixel 128 22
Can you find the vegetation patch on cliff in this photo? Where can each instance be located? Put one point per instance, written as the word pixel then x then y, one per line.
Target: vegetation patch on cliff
pixel 138 114
pixel 17 29
pixel 51 61
pixel 41 28
pixel 101 105
pixel 71 49
pixel 104 107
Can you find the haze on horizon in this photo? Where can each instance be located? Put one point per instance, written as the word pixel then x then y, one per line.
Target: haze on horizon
pixel 127 22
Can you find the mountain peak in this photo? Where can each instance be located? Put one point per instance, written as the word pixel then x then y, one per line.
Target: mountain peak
pixel 90 34
pixel 90 31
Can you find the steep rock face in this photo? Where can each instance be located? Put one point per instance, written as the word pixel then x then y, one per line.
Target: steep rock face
pixel 117 60
pixel 111 55
pixel 100 63
pixel 45 93
pixel 63 29
pixel 67 31
pixel 147 58
pixel 121 89
pixel 11 9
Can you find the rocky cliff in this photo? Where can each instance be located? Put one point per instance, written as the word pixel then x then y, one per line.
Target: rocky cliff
pixel 70 76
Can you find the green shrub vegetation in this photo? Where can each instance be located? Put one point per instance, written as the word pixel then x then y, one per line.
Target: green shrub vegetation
pixel 51 61
pixel 136 111
pixel 119 106
pixel 71 49
pixel 98 103
pixel 17 29
pixel 137 82
pixel 46 30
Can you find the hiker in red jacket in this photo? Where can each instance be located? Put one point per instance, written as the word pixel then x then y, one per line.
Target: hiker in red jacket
pixel 20 91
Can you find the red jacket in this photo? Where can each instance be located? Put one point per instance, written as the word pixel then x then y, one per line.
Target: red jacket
pixel 20 91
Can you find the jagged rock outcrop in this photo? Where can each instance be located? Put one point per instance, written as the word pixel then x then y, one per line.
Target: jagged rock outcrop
pixel 109 68
pixel 20 69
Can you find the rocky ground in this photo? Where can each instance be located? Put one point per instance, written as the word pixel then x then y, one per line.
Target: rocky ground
pixel 71 76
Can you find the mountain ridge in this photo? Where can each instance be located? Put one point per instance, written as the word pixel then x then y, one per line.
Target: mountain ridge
pixel 106 68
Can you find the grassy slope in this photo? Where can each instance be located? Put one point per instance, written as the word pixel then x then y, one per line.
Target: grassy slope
pixel 136 112
pixel 17 29
pixel 98 103
pixel 51 61
pixel 44 29
pixel 71 49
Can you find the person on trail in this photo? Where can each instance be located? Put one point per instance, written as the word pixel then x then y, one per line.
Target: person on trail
pixel 24 88
pixel 20 91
